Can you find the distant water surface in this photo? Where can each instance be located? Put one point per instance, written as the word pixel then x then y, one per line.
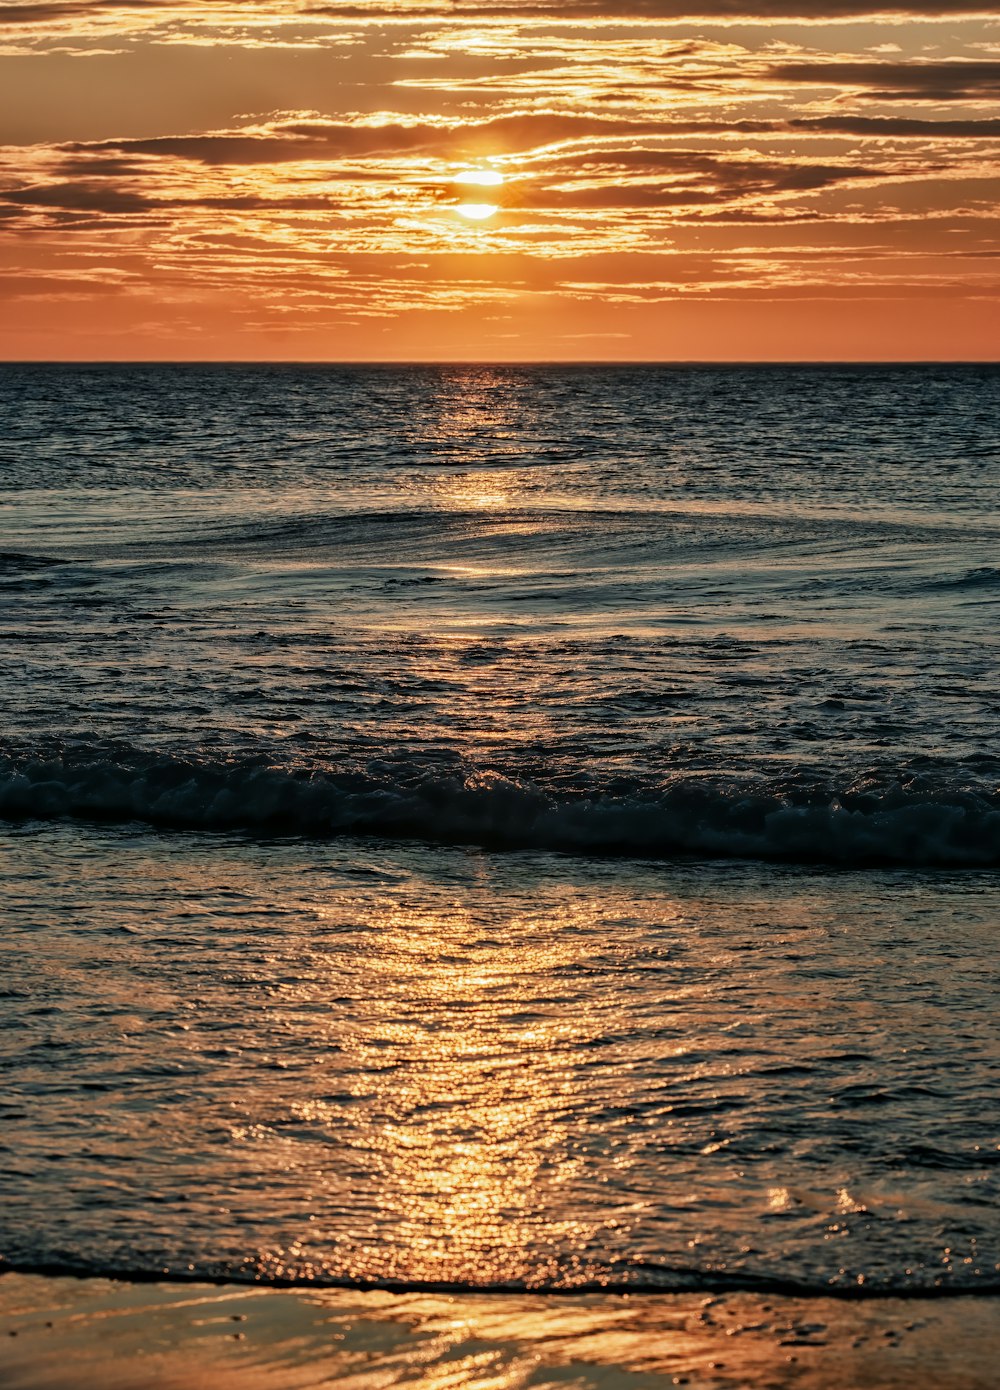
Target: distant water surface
pixel 502 826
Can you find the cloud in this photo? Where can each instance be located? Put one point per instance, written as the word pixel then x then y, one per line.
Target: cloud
pixel 633 155
pixel 100 198
pixel 949 81
pixel 689 178
pixel 304 140
pixel 647 10
pixel 81 17
pixel 44 14
pixel 397 208
pixel 604 148
pixel 893 127
pixel 79 197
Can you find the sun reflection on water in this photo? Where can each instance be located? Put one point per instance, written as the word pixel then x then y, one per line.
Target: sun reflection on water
pixel 473 1149
pixel 450 1067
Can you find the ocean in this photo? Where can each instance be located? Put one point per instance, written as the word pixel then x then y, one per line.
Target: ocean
pixel 501 827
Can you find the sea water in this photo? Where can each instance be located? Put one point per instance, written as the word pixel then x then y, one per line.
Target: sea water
pixel 501 827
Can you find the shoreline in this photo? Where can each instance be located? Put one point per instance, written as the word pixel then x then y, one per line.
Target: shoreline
pixel 58 1332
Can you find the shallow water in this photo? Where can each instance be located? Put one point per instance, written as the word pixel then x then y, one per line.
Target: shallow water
pixel 392 1063
pixel 502 826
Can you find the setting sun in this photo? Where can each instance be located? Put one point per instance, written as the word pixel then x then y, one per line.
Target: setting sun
pixel 477 211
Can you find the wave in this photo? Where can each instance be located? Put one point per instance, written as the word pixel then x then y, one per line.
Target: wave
pixel 618 1277
pixel 15 562
pixel 983 577
pixel 873 820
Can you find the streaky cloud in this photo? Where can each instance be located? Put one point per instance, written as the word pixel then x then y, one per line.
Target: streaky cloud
pixel 955 80
pixel 78 15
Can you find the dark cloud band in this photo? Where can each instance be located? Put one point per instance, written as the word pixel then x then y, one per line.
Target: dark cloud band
pixel 51 12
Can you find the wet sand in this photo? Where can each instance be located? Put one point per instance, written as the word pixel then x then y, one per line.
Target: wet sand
pixel 58 1333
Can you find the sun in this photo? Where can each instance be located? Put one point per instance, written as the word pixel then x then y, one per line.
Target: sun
pixel 477 211
pixel 481 178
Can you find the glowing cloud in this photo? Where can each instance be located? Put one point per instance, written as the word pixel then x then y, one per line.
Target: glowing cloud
pixel 485 178
pixel 448 178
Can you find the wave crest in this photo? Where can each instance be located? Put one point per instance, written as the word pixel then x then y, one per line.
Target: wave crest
pixel 915 823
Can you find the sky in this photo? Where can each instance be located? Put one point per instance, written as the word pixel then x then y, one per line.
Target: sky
pixel 666 180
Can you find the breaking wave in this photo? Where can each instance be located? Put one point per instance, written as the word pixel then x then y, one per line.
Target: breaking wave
pixel 873 820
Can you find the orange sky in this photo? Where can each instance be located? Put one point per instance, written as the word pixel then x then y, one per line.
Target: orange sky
pixel 280 179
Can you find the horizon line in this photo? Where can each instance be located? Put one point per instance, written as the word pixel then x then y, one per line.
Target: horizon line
pixel 677 362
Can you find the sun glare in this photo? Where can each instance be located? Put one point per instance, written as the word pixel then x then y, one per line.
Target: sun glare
pixel 477 211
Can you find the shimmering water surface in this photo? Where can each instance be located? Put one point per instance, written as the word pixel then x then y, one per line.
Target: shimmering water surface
pixel 501 826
